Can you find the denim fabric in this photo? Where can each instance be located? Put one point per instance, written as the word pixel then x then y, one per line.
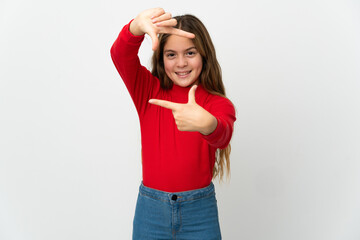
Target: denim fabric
pixel 180 215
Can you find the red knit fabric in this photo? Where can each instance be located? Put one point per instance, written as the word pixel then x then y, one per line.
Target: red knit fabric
pixel 172 160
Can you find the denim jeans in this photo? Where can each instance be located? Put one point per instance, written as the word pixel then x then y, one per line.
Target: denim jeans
pixel 180 215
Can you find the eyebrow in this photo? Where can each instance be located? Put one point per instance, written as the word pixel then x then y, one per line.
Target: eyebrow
pixel 169 50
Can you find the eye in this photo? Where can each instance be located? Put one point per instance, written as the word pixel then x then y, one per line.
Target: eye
pixel 170 55
pixel 191 53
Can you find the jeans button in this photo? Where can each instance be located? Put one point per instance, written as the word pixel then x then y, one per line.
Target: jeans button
pixel 174 197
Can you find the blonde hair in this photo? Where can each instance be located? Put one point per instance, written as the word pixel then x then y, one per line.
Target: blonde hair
pixel 210 76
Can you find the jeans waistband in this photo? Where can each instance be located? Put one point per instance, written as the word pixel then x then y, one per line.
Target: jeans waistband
pixel 177 196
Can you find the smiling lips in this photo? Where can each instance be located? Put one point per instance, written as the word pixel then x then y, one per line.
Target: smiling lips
pixel 183 74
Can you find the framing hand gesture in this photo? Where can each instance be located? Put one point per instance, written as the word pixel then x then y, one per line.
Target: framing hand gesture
pixel 190 116
pixel 154 21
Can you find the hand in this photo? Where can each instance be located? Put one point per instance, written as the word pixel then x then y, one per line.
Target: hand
pixel 190 116
pixel 154 21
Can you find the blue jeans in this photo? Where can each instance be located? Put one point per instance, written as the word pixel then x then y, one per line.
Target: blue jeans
pixel 180 215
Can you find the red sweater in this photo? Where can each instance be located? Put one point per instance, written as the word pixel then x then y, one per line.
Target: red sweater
pixel 172 160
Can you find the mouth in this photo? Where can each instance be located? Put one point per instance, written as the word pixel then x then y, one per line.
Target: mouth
pixel 183 74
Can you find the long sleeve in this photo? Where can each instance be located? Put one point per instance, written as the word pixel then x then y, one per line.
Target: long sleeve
pixel 172 160
pixel 138 80
pixel 224 112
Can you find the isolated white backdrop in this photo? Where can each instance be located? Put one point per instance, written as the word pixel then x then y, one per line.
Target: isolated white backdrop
pixel 69 134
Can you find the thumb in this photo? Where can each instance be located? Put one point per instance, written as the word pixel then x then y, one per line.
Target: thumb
pixel 154 40
pixel 192 94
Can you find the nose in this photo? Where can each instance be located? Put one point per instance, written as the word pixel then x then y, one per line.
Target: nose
pixel 182 61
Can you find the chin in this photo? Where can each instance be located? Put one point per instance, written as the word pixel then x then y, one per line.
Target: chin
pixel 183 83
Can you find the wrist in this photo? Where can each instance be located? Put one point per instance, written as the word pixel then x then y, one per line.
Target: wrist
pixel 210 126
pixel 135 29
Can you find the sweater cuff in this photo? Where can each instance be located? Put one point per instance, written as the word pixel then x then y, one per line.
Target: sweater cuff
pixel 214 137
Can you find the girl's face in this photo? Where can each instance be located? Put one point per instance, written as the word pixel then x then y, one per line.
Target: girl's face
pixel 182 61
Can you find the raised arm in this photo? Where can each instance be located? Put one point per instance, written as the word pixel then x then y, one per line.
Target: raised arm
pixel 124 52
pixel 154 21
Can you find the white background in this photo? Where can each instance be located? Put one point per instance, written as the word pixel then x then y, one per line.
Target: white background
pixel 69 133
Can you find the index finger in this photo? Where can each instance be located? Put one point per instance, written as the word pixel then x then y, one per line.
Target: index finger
pixel 163 103
pixel 178 32
pixel 181 33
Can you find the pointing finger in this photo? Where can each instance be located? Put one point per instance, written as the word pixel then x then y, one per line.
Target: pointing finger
pixel 167 27
pixel 163 103
pixel 181 33
pixel 192 94
pixel 167 23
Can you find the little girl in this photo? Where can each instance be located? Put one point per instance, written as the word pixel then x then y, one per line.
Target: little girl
pixel 186 124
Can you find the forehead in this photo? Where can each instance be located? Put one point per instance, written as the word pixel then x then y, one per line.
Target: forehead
pixel 178 44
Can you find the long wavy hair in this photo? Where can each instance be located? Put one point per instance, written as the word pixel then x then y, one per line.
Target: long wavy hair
pixel 210 76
